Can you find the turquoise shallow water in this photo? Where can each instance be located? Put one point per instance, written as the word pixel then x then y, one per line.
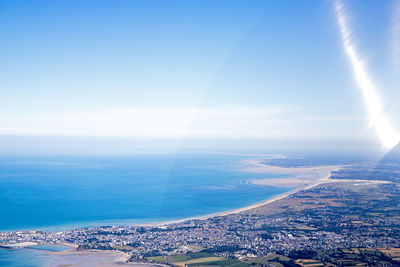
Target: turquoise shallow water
pixel 64 192
pixel 54 192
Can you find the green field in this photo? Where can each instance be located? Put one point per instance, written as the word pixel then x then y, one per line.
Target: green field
pixel 271 258
pixel 198 259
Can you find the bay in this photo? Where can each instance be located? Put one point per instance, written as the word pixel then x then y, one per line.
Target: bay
pixel 64 192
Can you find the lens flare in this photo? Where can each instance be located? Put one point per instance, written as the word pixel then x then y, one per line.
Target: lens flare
pixel 378 120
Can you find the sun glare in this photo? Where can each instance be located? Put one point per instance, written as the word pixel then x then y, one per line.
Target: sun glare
pixel 378 120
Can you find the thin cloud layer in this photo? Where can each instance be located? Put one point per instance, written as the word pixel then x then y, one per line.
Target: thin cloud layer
pixel 229 122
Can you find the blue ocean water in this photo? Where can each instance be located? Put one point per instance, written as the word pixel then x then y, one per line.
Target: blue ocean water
pixel 58 192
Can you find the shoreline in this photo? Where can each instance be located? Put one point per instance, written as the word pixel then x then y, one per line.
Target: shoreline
pixel 263 168
pixel 325 179
pixel 122 257
pixel 308 177
pixel 281 196
pixel 119 258
pixel 305 177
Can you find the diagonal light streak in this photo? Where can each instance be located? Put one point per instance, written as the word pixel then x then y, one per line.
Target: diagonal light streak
pixel 378 120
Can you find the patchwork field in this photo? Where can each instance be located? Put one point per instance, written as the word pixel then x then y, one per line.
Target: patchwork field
pixel 197 259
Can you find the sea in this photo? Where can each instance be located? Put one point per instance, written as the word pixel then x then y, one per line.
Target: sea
pixel 55 193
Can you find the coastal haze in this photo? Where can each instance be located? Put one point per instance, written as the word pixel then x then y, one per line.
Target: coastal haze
pixel 201 133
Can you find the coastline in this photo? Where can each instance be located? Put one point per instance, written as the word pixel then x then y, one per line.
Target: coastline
pixel 312 175
pixel 119 258
pixel 305 177
pixel 301 178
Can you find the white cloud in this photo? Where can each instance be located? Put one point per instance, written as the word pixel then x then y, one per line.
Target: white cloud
pixel 228 122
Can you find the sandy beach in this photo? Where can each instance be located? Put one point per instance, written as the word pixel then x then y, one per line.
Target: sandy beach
pixel 297 176
pixel 92 258
pixel 300 178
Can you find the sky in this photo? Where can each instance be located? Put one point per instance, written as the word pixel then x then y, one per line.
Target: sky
pixel 247 72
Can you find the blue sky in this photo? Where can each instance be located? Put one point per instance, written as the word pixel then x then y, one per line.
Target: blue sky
pixel 244 70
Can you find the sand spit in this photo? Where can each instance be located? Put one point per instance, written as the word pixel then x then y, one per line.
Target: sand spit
pixel 299 176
